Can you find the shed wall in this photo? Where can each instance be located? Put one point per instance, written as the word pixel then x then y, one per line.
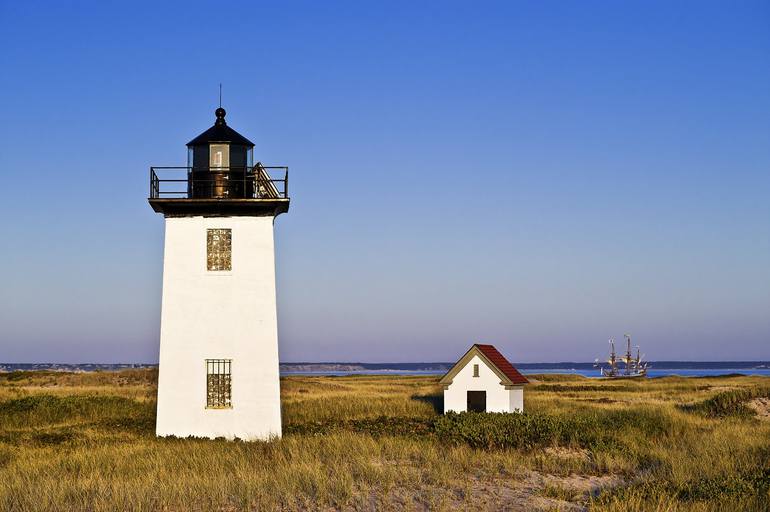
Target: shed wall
pixel 455 397
pixel 517 399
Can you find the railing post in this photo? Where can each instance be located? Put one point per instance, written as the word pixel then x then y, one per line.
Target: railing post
pixel 286 185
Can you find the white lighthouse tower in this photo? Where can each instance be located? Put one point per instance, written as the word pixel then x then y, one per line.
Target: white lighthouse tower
pixel 218 372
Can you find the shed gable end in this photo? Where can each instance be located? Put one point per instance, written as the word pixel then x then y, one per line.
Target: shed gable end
pixel 476 371
pixel 465 361
pixel 493 360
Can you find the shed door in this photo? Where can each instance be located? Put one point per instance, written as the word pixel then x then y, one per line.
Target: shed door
pixel 477 401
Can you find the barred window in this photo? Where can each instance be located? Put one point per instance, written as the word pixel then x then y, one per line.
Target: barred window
pixel 218 384
pixel 219 244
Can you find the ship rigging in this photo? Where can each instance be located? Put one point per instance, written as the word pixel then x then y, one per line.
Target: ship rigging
pixel 631 368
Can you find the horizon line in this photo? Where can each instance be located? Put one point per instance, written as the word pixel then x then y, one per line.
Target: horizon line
pixel 413 362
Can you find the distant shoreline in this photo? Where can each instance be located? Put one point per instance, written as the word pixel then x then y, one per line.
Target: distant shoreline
pixel 659 368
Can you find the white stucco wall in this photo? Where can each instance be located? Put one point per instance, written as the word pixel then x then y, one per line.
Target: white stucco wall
pixel 219 315
pixel 499 399
pixel 517 399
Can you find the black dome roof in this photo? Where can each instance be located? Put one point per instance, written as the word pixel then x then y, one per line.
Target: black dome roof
pixel 220 132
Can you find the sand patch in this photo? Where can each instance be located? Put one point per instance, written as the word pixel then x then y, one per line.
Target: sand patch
pixel 761 407
pixel 527 491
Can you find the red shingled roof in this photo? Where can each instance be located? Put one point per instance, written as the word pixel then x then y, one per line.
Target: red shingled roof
pixel 502 363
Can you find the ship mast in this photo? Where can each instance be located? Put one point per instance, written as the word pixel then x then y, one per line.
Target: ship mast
pixel 628 354
pixel 633 365
pixel 612 361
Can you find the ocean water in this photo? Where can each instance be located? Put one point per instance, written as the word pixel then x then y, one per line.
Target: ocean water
pixel 651 373
pixel 681 372
pixel 657 368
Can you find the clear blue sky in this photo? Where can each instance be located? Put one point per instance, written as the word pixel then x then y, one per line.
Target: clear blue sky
pixel 536 175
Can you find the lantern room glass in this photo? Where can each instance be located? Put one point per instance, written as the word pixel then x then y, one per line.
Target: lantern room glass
pixel 249 157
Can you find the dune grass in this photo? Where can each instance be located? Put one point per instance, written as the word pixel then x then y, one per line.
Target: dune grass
pixel 85 442
pixel 729 403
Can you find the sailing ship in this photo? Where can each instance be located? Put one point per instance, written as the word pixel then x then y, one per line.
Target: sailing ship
pixel 632 367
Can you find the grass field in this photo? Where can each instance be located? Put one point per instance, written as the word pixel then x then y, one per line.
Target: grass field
pixel 85 442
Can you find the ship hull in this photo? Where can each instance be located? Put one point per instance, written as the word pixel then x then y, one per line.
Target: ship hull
pixel 609 375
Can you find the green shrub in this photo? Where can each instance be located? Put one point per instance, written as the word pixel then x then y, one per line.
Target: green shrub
pixel 561 388
pixel 595 430
pixel 600 430
pixel 380 426
pixel 54 438
pixel 42 410
pixel 712 490
pixel 729 403
pixel 143 424
pixel 498 430
pixel 15 375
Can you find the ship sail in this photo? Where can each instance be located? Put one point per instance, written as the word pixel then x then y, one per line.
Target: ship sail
pixel 632 366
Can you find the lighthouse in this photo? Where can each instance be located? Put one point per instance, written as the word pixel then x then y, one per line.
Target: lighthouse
pixel 218 363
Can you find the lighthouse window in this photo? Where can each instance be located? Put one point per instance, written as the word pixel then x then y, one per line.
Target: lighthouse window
pixel 219 156
pixel 218 384
pixel 219 249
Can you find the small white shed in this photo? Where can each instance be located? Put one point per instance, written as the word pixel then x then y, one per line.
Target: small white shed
pixel 483 381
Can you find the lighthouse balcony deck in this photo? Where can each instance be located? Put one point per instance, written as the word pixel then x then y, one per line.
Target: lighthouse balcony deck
pixel 255 190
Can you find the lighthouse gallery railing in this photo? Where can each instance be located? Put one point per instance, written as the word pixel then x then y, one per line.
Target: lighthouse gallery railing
pixel 257 182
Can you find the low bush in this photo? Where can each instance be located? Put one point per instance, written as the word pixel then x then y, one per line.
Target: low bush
pixel 490 430
pixel 595 430
pixel 712 490
pixel 559 388
pixel 143 424
pixel 380 426
pixel 53 438
pixel 13 376
pixel 41 410
pixel 555 377
pixel 728 403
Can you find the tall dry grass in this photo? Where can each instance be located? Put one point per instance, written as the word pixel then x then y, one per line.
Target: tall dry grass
pixel 85 442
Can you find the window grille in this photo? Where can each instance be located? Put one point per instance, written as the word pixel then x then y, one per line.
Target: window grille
pixel 219 244
pixel 218 384
pixel 475 370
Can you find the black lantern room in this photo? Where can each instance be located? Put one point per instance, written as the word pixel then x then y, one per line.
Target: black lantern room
pixel 219 160
pixel 221 178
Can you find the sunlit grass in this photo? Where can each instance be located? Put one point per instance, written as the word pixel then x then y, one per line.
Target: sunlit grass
pixel 85 442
